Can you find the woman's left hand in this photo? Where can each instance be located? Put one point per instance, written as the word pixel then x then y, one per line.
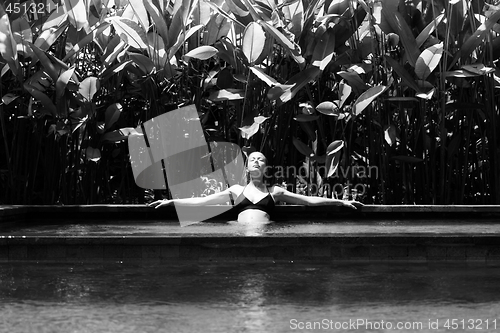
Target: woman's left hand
pixel 352 204
pixel 160 203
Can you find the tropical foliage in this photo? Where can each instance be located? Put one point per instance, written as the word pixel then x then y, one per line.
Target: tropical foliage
pixel 407 90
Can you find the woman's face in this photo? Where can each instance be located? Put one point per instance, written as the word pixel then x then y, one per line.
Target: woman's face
pixel 256 162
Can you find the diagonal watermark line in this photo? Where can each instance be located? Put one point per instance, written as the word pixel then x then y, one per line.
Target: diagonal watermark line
pixel 173 154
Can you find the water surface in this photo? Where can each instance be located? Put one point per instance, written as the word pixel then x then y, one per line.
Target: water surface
pixel 160 228
pixel 242 297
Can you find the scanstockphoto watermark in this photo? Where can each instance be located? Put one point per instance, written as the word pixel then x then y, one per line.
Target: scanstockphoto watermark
pixel 359 324
pixel 301 174
pixel 432 324
pixel 338 190
pixel 357 171
pixel 360 172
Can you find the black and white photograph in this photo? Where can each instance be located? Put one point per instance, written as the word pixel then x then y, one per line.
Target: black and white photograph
pixel 249 166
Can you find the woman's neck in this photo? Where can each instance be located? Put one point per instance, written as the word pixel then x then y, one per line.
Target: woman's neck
pixel 258 183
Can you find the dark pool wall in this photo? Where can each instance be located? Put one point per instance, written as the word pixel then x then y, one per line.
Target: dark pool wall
pixel 342 248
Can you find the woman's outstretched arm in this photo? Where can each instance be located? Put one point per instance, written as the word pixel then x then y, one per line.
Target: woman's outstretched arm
pixel 212 199
pixel 282 194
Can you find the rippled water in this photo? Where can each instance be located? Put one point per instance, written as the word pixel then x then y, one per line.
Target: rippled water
pixel 241 297
pixel 98 228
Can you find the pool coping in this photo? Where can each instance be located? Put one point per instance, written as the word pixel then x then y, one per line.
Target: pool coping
pixel 282 212
pixel 386 247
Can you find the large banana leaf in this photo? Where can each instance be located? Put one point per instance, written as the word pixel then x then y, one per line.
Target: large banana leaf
pixel 77 13
pixel 8 45
pixel 130 32
pixel 254 42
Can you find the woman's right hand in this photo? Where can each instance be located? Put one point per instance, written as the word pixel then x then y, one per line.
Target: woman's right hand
pixel 160 203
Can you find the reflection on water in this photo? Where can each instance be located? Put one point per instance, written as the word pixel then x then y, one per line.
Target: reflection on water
pixel 250 228
pixel 233 228
pixel 238 297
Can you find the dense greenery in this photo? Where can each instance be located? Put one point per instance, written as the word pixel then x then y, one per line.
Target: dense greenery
pixel 407 90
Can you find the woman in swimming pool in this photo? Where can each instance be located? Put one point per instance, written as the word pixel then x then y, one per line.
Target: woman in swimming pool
pixel 255 201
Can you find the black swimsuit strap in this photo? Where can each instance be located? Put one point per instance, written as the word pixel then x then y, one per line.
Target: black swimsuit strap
pixel 269 193
pixel 265 204
pixel 243 194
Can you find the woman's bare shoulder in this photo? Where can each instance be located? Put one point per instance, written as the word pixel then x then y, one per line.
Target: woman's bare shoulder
pixel 276 190
pixel 236 189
